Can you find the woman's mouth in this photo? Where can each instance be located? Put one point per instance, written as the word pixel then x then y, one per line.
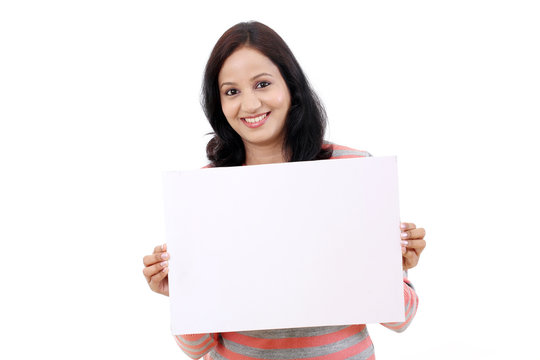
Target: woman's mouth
pixel 256 121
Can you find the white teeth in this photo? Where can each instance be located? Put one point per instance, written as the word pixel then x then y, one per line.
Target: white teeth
pixel 255 120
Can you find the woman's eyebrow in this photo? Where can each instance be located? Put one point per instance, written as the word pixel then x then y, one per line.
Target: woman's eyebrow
pixel 227 83
pixel 261 74
pixel 253 78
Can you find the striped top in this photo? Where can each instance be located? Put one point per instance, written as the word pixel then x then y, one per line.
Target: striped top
pixel 313 343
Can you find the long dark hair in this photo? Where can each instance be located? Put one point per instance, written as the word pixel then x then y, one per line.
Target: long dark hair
pixel 306 121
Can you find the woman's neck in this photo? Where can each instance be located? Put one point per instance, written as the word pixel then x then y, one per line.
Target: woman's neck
pixel 258 154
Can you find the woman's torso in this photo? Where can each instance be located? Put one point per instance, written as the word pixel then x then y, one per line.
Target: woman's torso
pixel 316 343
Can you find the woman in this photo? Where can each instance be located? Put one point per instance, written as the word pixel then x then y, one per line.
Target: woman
pixel 263 111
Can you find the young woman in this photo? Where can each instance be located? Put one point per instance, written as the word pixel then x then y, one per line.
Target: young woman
pixel 263 111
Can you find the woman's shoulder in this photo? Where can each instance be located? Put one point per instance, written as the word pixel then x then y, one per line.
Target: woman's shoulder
pixel 344 152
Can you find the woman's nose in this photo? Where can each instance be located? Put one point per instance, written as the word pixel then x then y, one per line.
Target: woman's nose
pixel 250 102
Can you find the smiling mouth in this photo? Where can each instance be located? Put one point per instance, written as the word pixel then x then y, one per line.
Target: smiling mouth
pixel 256 121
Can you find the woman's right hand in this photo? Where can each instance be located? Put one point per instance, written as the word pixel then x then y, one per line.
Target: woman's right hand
pixel 156 269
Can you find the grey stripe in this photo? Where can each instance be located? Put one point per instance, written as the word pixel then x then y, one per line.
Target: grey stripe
pixel 336 153
pixel 293 333
pixel 299 353
pixel 194 343
pixel 363 355
pixel 215 355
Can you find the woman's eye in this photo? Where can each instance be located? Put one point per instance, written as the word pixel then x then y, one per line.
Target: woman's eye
pixel 262 84
pixel 231 92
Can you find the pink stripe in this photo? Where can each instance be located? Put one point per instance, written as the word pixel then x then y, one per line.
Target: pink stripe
pixel 293 343
pixel 193 347
pixel 200 350
pixel 191 337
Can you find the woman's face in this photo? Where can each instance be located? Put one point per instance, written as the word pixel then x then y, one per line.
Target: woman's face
pixel 254 97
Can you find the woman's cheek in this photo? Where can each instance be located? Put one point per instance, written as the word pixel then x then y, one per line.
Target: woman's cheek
pixel 277 99
pixel 227 107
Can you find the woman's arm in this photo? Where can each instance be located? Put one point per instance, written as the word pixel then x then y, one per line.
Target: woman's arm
pixel 156 269
pixel 412 245
pixel 411 304
pixel 196 345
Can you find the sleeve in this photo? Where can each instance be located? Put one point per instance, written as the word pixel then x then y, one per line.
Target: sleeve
pixel 411 303
pixel 196 345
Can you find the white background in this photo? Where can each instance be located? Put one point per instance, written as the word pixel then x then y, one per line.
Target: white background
pixel 97 98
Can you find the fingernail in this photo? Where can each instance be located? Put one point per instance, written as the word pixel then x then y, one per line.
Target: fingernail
pixel 163 264
pixel 162 247
pixel 403 226
pixel 403 250
pixel 404 242
pixel 404 234
pixel 165 269
pixel 164 256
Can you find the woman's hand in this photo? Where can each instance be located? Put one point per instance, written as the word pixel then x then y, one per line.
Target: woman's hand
pixel 156 269
pixel 412 244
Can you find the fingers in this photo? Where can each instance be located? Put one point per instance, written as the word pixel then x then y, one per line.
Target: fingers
pixel 152 270
pixel 156 269
pixel 407 226
pixel 413 234
pixel 415 245
pixel 419 244
pixel 412 244
pixel 411 250
pixel 156 262
pixel 156 280
pixel 410 260
pixel 155 258
pixel 410 256
pixel 160 248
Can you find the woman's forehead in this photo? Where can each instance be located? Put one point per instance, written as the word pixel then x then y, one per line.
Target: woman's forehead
pixel 244 64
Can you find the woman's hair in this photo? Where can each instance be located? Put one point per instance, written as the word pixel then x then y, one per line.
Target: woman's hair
pixel 306 121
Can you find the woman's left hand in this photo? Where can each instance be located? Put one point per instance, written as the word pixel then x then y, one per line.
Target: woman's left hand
pixel 412 244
